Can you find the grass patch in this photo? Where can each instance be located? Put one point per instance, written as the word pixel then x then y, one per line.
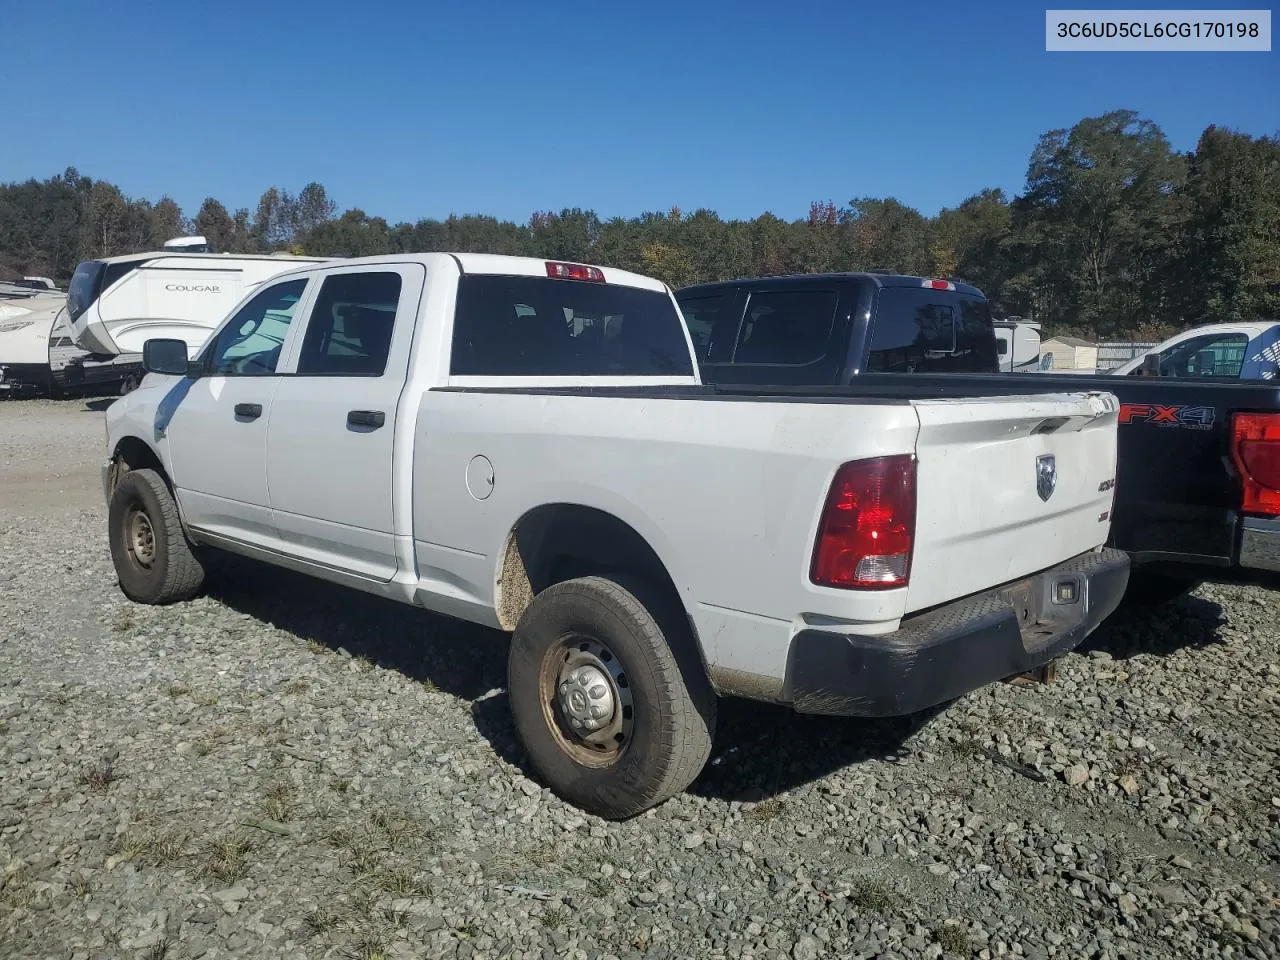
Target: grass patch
pixel 210 741
pixel 315 646
pixel 226 858
pixel 125 621
pixel 954 939
pixel 279 801
pixel 178 689
pixel 145 847
pixel 553 918
pixel 320 920
pixel 340 784
pixel 765 810
pixel 508 866
pixel 397 827
pixel 205 699
pixel 100 776
pixel 371 945
pixel 400 883
pixel 297 686
pixel 872 897
pixel 17 891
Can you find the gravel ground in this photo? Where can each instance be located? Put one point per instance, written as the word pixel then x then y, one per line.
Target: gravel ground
pixel 287 769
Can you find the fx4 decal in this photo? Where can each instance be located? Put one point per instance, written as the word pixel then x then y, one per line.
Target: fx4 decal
pixel 1178 415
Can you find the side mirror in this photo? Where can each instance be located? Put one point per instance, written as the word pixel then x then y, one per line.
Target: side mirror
pixel 165 356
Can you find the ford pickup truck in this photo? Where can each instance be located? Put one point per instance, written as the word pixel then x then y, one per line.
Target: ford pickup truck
pixel 528 445
pixel 1197 493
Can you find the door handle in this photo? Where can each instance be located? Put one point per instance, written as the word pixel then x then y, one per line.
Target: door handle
pixel 248 411
pixel 366 418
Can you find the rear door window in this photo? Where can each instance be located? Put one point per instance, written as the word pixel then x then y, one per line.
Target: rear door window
pixel 349 332
pixel 539 327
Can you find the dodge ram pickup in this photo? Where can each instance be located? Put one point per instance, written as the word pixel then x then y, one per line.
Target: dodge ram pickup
pixel 527 445
pixel 1198 481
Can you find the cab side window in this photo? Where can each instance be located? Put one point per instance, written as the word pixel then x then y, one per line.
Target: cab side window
pixel 250 343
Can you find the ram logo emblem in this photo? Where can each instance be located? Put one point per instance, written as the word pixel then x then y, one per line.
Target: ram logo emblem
pixel 1046 475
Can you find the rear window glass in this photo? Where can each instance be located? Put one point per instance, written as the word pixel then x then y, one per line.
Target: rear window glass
pixel 532 327
pixel 931 331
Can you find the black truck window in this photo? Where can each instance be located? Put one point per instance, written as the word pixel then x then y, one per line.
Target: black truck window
pixel 789 327
pixel 515 326
pixel 930 331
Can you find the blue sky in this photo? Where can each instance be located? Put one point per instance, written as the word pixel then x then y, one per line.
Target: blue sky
pixel 412 109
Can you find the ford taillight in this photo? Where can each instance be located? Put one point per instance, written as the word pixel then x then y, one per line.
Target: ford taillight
pixel 1255 448
pixel 867 530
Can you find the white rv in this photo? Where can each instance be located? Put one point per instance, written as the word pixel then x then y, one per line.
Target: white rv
pixel 1017 345
pixel 37 353
pixel 116 304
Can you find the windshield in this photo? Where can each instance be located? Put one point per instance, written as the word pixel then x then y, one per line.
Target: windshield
pixel 84 287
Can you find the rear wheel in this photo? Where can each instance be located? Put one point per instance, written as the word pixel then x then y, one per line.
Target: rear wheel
pixel 1154 589
pixel 608 697
pixel 154 561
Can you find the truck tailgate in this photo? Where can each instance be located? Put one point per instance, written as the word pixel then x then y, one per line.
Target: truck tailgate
pixel 1008 486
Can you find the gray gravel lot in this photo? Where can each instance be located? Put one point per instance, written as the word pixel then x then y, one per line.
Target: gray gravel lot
pixel 283 768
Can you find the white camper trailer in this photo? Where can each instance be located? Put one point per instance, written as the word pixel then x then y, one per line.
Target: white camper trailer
pixel 116 304
pixel 1017 345
pixel 37 354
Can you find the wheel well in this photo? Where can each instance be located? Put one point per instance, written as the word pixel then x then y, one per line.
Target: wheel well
pixel 134 454
pixel 561 541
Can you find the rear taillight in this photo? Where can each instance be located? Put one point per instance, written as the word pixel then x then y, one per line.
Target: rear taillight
pixel 574 271
pixel 1255 448
pixel 868 526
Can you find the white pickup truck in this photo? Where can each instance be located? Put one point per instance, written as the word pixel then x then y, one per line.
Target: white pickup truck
pixel 527 445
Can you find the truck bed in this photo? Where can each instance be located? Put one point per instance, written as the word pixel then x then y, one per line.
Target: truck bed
pixel 1177 493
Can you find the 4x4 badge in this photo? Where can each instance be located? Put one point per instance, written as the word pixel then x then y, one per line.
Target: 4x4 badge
pixel 1046 475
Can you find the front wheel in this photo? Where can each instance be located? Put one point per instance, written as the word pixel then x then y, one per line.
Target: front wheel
pixel 153 559
pixel 608 697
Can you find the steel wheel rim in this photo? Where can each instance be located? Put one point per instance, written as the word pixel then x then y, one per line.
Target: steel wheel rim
pixel 586 700
pixel 140 537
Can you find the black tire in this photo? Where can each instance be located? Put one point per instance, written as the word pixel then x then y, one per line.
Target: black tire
pixel 671 722
pixel 166 572
pixel 1147 589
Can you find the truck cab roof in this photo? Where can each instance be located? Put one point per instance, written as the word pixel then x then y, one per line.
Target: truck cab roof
pixel 799 279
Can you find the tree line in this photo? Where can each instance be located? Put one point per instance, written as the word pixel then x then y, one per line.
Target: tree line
pixel 1114 235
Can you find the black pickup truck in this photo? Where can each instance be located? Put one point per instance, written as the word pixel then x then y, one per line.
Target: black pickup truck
pixel 1198 482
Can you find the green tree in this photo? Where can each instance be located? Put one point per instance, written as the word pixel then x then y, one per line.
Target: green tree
pixel 167 222
pixel 1098 223
pixel 215 225
pixel 1232 260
